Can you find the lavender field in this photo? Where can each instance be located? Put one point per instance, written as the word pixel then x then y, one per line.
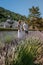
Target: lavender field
pixel 9 49
pixel 13 34
pixel 4 34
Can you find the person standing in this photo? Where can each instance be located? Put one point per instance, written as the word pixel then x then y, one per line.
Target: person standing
pixel 25 27
pixel 20 30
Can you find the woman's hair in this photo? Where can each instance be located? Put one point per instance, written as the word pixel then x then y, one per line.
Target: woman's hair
pixel 19 21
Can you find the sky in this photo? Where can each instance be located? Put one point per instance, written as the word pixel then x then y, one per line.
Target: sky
pixel 21 6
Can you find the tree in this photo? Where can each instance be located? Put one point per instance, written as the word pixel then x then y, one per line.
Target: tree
pixel 34 12
pixel 34 15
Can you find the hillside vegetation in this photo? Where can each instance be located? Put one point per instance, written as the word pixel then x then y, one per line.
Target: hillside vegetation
pixel 4 14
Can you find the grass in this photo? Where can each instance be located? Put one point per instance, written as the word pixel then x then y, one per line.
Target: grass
pixel 8 39
pixel 26 53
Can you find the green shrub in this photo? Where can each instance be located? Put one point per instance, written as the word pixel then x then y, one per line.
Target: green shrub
pixel 26 52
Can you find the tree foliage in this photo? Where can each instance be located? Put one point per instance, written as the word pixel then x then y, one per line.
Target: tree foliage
pixel 34 12
pixel 35 18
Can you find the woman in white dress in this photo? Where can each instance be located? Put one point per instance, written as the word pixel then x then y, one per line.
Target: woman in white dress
pixel 20 35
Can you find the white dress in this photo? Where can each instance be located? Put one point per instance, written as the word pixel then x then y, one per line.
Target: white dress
pixel 20 32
